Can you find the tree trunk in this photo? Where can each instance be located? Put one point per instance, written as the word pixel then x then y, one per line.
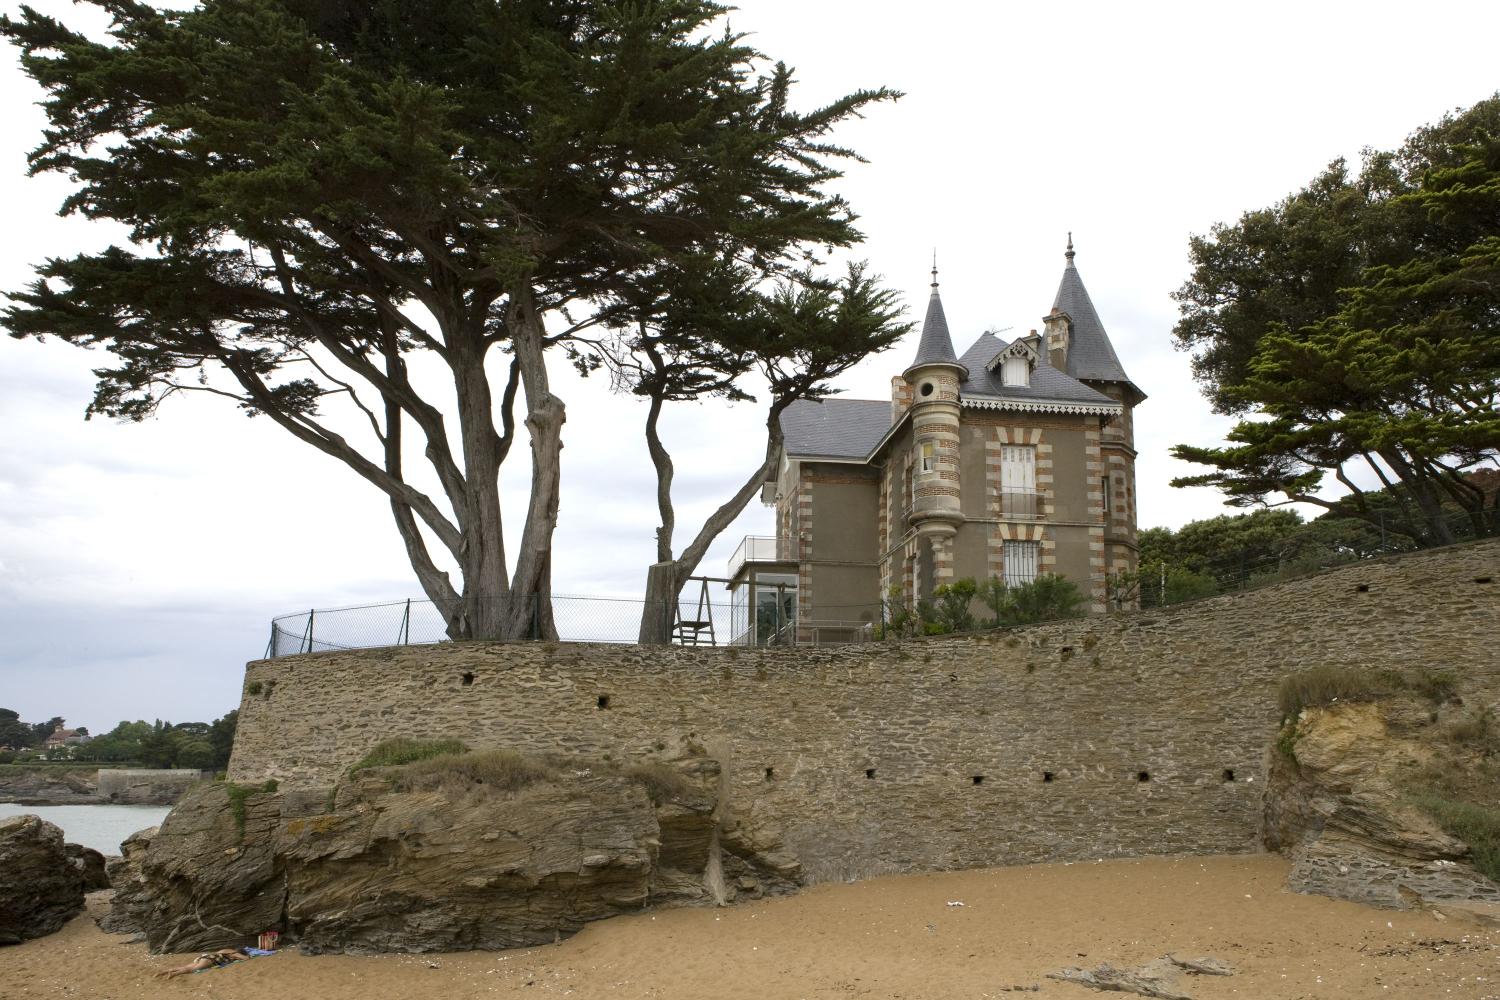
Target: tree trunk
pixel 1420 489
pixel 659 614
pixel 667 572
pixel 485 600
pixel 531 612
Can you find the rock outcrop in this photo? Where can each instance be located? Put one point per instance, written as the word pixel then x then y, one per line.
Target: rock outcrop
pixel 90 864
pixel 442 861
pixel 1342 803
pixel 129 902
pixel 48 785
pixel 40 887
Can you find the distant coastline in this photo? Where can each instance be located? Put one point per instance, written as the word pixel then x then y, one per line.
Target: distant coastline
pixel 63 785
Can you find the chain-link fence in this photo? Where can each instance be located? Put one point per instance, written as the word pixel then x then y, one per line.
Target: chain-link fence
pixel 773 617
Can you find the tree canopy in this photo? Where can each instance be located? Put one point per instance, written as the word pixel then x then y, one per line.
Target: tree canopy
pixel 1358 322
pixel 322 197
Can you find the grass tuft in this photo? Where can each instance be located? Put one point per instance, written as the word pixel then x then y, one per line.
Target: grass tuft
pixel 498 770
pixel 1477 731
pixel 402 750
pixel 662 783
pixel 1476 825
pixel 1320 687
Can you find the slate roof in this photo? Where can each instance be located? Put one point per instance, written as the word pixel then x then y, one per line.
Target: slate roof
pixel 1046 382
pixel 936 346
pixel 1090 354
pixel 835 428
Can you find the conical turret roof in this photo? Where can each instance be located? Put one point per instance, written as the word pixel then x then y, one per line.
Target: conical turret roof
pixel 936 345
pixel 1090 354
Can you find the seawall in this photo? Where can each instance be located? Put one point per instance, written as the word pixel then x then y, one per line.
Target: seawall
pixel 1128 734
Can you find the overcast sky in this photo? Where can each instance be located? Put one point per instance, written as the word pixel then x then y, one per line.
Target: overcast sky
pixel 140 564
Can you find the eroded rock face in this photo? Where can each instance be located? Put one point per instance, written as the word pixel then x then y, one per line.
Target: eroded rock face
pixel 450 866
pixel 1340 808
pixel 129 903
pixel 40 888
pixel 91 864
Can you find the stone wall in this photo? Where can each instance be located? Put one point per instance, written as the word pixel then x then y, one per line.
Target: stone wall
pixel 1135 733
pixel 145 786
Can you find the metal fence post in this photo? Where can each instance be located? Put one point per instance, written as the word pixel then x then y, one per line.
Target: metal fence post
pixel 406 624
pixel 307 637
pixel 536 616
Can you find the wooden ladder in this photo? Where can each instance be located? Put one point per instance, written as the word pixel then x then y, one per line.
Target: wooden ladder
pixel 690 631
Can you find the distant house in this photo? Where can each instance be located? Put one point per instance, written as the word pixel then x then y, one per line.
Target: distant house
pixel 63 736
pixel 1013 459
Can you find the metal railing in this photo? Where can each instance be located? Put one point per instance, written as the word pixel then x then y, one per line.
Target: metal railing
pixel 1020 504
pixel 759 548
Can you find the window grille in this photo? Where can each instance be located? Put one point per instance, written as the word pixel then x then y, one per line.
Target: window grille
pixel 1021 560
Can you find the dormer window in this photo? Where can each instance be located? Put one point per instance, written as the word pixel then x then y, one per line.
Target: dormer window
pixel 1015 362
pixel 1015 371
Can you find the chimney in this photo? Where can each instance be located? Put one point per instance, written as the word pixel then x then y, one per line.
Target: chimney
pixel 900 397
pixel 1059 327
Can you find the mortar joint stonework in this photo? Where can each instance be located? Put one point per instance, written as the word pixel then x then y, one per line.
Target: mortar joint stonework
pixel 1184 693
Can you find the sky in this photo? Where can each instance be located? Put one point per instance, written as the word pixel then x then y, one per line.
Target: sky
pixel 140 564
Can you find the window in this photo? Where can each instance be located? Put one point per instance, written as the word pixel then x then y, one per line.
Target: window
pixel 1016 371
pixel 929 456
pixel 1021 560
pixel 1018 481
pixel 1105 481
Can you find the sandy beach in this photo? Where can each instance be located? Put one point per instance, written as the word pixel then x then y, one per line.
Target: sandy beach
pixel 899 938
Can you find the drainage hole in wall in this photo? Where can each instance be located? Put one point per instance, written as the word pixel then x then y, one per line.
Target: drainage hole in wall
pixel 978 779
pixel 869 772
pixel 770 773
pixel 1047 776
pixel 1484 579
pixel 468 679
pixel 1143 776
pixel 1363 588
pixel 1228 774
pixel 603 701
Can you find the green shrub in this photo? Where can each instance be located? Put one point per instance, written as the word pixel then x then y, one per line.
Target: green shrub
pixel 1047 598
pixel 497 770
pixel 953 610
pixel 1286 740
pixel 1476 825
pixel 1319 687
pixel 402 750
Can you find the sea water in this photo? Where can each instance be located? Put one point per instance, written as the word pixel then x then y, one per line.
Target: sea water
pixel 100 827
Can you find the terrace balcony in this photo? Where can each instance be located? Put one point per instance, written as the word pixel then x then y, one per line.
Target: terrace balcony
pixel 760 549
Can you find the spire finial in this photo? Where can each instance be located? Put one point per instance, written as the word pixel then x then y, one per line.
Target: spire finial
pixel 1069 253
pixel 934 268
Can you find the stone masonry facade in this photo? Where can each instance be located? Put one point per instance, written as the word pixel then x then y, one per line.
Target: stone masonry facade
pixel 1132 733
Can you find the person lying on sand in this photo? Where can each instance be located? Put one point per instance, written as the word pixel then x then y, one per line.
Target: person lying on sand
pixel 213 960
